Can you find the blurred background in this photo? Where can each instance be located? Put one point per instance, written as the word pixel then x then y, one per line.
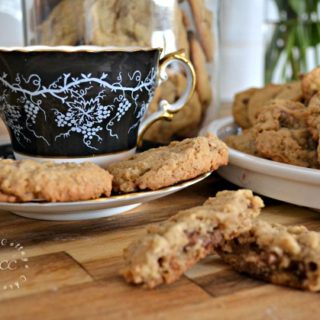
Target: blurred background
pixel 254 42
pixel 241 41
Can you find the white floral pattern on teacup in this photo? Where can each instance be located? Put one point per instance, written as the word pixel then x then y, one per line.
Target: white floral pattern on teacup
pixel 83 112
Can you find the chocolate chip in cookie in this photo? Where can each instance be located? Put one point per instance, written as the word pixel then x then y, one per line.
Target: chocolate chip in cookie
pixel 174 246
pixel 288 256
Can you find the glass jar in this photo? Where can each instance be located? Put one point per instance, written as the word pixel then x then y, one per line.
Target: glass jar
pixel 292 39
pixel 170 24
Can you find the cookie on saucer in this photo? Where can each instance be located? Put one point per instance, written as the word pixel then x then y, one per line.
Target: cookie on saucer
pixel 28 180
pixel 165 166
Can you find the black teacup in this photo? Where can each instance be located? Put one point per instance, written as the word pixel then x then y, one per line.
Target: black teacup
pixel 82 103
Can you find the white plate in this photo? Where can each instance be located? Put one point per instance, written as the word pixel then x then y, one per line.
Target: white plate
pixel 91 209
pixel 276 180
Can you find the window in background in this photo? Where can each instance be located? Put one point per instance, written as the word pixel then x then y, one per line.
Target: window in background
pixel 293 38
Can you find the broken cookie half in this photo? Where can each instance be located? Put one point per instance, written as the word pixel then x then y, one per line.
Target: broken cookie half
pixel 288 256
pixel 172 247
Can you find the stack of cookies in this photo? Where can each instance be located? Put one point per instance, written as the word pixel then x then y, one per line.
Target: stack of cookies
pixel 131 23
pixel 280 122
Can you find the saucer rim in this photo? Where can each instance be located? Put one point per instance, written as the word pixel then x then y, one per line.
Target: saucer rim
pixel 105 200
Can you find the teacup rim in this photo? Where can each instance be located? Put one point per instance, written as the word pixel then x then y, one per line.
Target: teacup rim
pixel 76 49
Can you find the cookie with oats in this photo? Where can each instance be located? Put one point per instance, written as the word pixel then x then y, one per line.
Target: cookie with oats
pixel 259 98
pixel 282 134
pixel 185 123
pixel 64 25
pixel 119 22
pixel 310 83
pixel 288 256
pixel 28 180
pixel 293 146
pixel 281 113
pixel 240 107
pixel 291 91
pixel 313 120
pixel 244 142
pixel 198 58
pixel 174 246
pixel 203 22
pixel 166 166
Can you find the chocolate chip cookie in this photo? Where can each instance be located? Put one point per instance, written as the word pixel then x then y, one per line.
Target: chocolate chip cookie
pixel 313 110
pixel 260 98
pixel 282 134
pixel 172 247
pixel 288 146
pixel 244 142
pixel 240 107
pixel 288 256
pixel 310 83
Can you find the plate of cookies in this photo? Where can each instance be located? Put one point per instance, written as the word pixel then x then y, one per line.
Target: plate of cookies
pixel 273 139
pixel 78 191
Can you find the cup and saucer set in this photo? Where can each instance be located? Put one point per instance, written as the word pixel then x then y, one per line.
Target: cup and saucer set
pixel 84 103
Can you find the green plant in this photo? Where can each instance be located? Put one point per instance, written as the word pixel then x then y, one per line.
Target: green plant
pixel 294 46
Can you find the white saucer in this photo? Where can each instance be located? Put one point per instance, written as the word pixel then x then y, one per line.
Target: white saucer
pixel 289 183
pixel 92 209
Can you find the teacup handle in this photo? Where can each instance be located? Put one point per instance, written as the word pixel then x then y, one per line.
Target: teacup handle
pixel 167 110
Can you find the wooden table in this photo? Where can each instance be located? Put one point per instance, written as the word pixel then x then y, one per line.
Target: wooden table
pixel 73 270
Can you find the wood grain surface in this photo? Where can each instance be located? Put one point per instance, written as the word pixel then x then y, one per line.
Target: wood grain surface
pixel 73 270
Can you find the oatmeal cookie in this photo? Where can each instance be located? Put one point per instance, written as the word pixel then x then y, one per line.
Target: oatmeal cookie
pixel 240 107
pixel 180 30
pixel 64 25
pixel 186 20
pixel 120 22
pixel 291 91
pixel 310 83
pixel 313 120
pixel 282 135
pixel 260 98
pixel 288 256
pixel 3 129
pixel 244 142
pixel 292 146
pixel 28 180
pixel 203 22
pixel 185 123
pixel 198 58
pixel 165 166
pixel 174 246
pixel 281 113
